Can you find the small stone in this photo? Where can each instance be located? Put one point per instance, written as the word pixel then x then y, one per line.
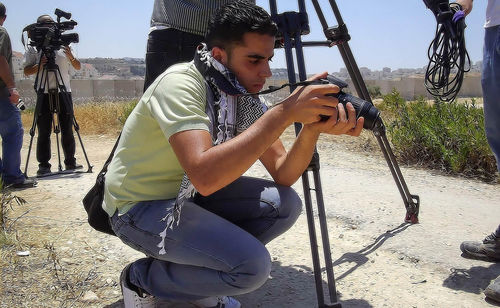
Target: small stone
pixel 67 261
pixel 90 297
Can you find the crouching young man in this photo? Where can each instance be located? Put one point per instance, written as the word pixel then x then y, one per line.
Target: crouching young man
pixel 175 190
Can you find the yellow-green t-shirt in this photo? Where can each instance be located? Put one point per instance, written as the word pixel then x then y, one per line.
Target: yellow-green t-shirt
pixel 144 166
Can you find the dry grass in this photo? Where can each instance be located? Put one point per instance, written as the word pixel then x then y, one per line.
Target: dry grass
pixel 94 118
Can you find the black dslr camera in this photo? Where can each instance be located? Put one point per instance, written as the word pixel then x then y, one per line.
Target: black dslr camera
pixel 48 36
pixel 363 108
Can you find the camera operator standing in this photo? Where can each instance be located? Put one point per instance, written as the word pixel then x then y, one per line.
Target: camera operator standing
pixel 11 128
pixel 64 59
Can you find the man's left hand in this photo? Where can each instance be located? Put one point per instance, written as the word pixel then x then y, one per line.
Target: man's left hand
pixel 343 122
pixel 67 52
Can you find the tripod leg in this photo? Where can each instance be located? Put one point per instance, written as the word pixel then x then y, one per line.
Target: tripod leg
pixel 77 130
pixel 55 110
pixel 411 202
pixel 32 135
pixel 313 240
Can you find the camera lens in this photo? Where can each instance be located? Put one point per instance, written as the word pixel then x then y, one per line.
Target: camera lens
pixel 363 109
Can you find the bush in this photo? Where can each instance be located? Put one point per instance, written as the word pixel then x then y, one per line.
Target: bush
pixel 446 136
pixel 374 91
pixel 94 117
pixel 127 109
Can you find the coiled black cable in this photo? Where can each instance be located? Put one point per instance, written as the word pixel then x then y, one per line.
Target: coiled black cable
pixel 448 56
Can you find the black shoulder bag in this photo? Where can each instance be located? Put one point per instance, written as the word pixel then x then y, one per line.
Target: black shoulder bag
pixel 92 202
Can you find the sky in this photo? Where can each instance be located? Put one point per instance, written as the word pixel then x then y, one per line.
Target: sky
pixel 384 33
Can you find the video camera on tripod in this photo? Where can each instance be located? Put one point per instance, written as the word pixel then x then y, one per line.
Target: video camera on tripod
pixel 48 36
pixel 50 47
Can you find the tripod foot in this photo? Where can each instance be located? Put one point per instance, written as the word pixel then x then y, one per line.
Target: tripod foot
pixel 334 305
pixel 411 217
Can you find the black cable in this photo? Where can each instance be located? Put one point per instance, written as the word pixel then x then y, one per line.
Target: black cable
pixel 448 56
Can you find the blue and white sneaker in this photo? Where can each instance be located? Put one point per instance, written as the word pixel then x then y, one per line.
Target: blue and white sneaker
pixel 217 302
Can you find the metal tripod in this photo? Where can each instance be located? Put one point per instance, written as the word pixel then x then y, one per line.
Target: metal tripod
pixel 292 25
pixel 52 69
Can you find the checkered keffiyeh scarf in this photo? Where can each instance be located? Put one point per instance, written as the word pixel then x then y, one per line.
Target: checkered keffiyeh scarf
pixel 232 113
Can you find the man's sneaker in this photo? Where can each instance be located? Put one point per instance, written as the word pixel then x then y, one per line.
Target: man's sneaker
pixel 43 171
pixel 26 183
pixel 217 302
pixel 493 290
pixel 489 249
pixel 73 167
pixel 133 297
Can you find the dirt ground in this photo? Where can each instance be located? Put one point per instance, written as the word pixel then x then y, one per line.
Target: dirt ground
pixel 378 260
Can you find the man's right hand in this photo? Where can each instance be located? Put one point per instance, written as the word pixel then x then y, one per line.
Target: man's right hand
pixel 466 6
pixel 14 96
pixel 307 104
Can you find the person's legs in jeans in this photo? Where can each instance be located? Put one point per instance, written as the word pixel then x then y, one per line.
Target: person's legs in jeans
pixel 207 255
pixel 490 81
pixel 11 130
pixel 165 48
pixel 489 248
pixel 260 207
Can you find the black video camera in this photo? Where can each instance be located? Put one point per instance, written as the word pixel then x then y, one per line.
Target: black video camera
pixel 363 108
pixel 48 36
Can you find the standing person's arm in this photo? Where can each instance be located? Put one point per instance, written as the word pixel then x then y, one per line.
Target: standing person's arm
pixel 31 65
pixel 74 61
pixel 6 76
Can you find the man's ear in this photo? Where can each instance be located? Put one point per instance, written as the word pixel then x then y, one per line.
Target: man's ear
pixel 220 55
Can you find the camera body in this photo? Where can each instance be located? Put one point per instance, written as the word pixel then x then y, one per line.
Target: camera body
pixel 363 108
pixel 49 37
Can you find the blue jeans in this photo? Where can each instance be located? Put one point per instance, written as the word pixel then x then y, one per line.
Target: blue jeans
pixel 490 81
pixel 11 130
pixel 218 246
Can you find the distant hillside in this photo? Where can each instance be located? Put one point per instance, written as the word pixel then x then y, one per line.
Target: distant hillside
pixel 122 67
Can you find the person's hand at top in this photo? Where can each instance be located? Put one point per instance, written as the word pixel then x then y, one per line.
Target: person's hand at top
pixel 466 6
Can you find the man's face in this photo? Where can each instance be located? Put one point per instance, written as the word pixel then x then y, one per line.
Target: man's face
pixel 249 61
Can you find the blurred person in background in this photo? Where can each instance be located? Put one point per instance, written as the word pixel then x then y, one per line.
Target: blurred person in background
pixel 489 248
pixel 11 128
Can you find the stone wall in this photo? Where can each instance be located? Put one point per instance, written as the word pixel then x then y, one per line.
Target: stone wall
pixel 109 90
pixel 90 90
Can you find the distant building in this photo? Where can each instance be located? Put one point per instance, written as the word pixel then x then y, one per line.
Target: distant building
pixel 87 71
pixel 17 65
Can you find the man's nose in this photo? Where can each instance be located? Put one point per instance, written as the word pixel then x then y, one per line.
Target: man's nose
pixel 266 71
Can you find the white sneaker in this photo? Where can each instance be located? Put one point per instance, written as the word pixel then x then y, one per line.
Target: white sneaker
pixel 131 298
pixel 217 302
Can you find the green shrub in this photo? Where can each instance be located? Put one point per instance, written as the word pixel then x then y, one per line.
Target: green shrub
pixel 127 109
pixel 374 91
pixel 446 136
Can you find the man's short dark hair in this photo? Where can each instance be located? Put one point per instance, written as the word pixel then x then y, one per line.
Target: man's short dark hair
pixel 44 19
pixel 232 21
pixel 2 10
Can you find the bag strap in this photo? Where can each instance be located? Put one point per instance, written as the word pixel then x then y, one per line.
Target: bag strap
pixel 108 161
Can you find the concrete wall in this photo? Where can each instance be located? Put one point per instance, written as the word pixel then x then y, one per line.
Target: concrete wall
pixel 100 90
pixel 85 90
